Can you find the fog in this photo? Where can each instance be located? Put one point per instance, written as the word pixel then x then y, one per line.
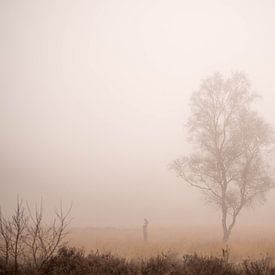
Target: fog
pixel 94 96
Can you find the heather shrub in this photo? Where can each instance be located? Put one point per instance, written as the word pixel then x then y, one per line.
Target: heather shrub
pixel 73 261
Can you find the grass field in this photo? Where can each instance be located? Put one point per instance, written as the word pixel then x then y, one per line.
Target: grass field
pixel 254 243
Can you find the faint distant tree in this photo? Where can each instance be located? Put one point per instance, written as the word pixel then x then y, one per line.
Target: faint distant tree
pixel 145 230
pixel 230 163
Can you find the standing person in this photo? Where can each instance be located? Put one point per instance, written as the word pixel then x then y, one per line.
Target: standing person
pixel 145 230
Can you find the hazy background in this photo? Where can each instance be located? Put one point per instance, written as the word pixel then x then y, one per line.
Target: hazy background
pixel 94 96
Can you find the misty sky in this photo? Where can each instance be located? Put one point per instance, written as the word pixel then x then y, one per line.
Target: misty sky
pixel 94 95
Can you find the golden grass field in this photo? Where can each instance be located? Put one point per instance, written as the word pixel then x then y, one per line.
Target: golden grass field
pixel 245 243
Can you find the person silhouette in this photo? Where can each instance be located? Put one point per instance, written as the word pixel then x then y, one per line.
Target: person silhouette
pixel 145 230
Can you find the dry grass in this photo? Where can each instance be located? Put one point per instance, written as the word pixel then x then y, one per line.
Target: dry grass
pixel 253 244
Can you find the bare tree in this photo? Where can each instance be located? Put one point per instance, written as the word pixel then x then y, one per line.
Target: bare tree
pixel 5 239
pixel 25 237
pixel 232 145
pixel 18 227
pixel 45 239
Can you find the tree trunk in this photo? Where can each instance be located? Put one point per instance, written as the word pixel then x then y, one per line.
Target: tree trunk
pixel 226 232
pixel 226 235
pixel 227 229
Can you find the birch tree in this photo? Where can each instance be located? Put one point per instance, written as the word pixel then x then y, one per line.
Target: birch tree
pixel 232 147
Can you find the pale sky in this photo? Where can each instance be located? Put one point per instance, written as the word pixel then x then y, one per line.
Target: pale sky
pixel 94 96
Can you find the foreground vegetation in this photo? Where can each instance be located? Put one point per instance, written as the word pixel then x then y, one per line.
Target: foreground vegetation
pixel 74 261
pixel 31 245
